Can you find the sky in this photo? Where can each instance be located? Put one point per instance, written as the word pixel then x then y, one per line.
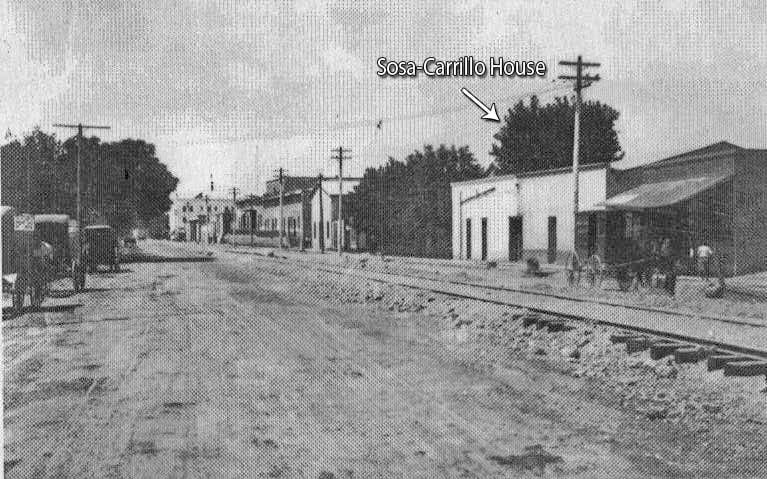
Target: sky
pixel 235 89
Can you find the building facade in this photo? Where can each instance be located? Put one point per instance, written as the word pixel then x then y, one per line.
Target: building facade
pixel 716 195
pixel 260 215
pixel 503 218
pixel 201 218
pixel 324 220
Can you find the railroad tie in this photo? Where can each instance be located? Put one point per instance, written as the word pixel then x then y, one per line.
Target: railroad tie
pixel 718 361
pixel 636 344
pixel 689 355
pixel 745 368
pixel 622 338
pixel 530 319
pixel 557 326
pixel 661 349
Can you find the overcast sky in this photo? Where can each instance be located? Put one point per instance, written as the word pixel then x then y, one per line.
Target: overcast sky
pixel 236 89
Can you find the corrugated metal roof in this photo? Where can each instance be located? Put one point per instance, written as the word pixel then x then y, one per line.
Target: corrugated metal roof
pixel 655 195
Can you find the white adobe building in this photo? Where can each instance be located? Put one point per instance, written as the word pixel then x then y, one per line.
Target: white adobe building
pixel 329 229
pixel 514 217
pixel 200 217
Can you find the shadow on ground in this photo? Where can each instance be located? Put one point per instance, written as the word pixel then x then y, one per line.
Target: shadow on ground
pixel 60 308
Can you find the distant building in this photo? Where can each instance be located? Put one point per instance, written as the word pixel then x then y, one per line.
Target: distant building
pixel 259 216
pixel 715 195
pixel 202 218
pixel 324 230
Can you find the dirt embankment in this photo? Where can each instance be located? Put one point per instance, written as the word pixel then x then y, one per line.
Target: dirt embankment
pixel 707 424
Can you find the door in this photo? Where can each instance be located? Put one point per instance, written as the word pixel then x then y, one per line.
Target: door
pixel 592 235
pixel 515 238
pixel 484 239
pixel 552 253
pixel 468 238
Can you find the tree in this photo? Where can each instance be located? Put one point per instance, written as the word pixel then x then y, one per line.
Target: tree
pixel 123 183
pixel 535 137
pixel 405 207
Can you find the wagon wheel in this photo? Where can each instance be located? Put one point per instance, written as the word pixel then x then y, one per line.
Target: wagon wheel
pixel 116 262
pixel 595 271
pixel 573 270
pixel 75 276
pixel 78 276
pixel 18 298
pixel 37 295
pixel 625 279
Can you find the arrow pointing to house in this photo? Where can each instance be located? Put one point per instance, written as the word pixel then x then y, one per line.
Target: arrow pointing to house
pixel 490 113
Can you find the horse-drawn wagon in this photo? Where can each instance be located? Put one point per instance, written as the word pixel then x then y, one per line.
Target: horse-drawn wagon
pixel 28 260
pixel 630 247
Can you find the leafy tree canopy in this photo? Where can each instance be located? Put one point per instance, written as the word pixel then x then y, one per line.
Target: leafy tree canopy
pixel 539 137
pixel 123 183
pixel 404 207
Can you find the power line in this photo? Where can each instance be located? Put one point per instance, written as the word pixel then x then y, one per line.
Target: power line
pixel 389 119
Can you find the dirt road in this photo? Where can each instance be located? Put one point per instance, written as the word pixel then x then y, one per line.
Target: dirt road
pixel 237 368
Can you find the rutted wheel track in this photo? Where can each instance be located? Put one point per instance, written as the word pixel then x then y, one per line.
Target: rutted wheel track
pixel 735 359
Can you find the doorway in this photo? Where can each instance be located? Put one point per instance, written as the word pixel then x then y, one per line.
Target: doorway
pixel 592 235
pixel 468 238
pixel 484 239
pixel 515 238
pixel 552 252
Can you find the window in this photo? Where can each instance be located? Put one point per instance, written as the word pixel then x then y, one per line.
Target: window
pixel 314 230
pixel 183 209
pixel 327 229
pixel 183 220
pixel 215 208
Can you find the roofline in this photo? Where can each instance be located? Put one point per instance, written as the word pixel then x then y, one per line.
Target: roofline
pixel 188 198
pixel 566 169
pixel 350 178
pixel 732 146
pixel 691 156
pixel 530 174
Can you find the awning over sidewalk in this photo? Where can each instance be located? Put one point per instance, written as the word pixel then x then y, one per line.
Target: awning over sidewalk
pixel 666 193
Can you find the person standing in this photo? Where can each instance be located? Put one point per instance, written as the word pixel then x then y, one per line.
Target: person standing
pixel 704 254
pixel 667 266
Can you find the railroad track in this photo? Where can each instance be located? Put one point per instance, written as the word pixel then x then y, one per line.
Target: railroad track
pixel 728 355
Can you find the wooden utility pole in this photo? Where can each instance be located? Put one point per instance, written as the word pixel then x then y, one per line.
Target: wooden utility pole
pixel 79 275
pixel 233 217
pixel 322 217
pixel 282 194
pixel 581 81
pixel 339 155
pixel 252 219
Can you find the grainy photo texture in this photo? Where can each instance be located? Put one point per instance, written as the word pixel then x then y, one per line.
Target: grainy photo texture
pixel 384 239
